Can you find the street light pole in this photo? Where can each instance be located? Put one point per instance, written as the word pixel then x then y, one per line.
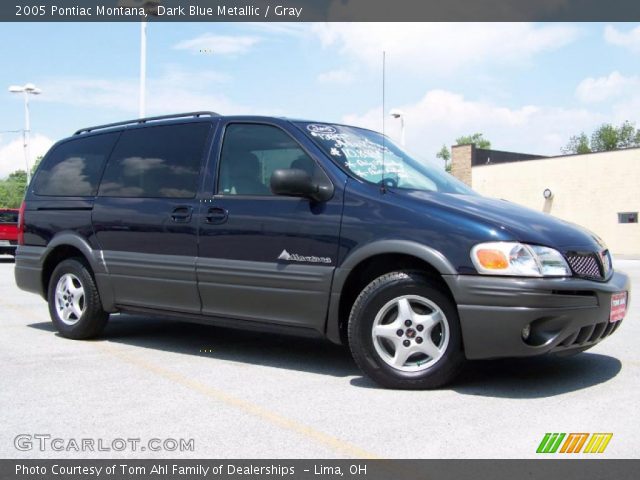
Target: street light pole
pixel 26 90
pixel 26 136
pixel 150 8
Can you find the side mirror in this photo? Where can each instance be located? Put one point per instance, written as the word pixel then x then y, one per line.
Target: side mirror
pixel 294 182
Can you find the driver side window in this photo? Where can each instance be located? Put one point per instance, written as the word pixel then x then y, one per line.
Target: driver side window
pixel 251 153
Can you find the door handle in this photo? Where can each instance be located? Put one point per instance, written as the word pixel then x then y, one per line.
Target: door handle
pixel 181 214
pixel 216 215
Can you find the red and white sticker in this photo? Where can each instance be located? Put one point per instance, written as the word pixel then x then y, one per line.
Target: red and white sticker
pixel 618 306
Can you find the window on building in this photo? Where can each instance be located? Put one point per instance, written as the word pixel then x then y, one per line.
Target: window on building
pixel 156 162
pixel 628 217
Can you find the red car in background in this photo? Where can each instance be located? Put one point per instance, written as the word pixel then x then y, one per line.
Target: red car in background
pixel 8 231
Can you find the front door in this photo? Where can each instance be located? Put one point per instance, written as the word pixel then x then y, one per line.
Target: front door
pixel 145 215
pixel 264 257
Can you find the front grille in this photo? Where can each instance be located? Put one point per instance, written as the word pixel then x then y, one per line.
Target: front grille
pixel 585 265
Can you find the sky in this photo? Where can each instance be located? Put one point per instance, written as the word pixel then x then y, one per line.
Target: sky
pixel 526 86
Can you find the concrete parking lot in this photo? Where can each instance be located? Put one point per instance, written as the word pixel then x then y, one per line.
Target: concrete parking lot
pixel 252 395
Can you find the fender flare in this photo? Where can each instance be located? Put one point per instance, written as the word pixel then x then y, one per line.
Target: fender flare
pixel 96 262
pixel 401 247
pixel 94 257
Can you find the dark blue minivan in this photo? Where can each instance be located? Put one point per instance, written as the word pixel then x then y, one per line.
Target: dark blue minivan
pixel 311 228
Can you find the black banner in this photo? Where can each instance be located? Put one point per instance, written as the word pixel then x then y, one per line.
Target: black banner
pixel 546 469
pixel 318 10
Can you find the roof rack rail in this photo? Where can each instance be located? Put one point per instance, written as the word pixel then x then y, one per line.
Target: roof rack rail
pixel 147 119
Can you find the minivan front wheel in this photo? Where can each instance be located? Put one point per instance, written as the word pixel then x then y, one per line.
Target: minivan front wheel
pixel 404 332
pixel 74 302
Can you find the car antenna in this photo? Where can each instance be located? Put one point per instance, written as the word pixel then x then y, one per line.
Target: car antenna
pixel 383 187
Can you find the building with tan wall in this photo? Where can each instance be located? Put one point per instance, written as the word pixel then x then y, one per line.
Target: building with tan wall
pixel 600 191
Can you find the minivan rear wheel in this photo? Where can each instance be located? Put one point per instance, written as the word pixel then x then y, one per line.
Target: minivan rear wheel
pixel 74 302
pixel 404 332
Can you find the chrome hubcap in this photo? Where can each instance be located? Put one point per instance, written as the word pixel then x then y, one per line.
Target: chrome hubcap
pixel 410 333
pixel 69 298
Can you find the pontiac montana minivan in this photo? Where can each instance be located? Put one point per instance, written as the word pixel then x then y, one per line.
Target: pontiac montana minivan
pixel 311 228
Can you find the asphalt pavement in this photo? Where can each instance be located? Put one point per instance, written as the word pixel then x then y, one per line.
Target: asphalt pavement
pixel 238 394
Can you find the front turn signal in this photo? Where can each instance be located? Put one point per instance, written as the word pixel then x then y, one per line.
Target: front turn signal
pixel 492 259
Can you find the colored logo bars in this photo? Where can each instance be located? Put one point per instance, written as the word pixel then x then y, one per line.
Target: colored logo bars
pixel 573 442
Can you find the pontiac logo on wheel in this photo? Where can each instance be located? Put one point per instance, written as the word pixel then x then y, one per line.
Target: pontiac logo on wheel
pixel 294 257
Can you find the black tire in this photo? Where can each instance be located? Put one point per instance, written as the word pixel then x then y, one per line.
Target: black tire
pixel 93 318
pixel 382 292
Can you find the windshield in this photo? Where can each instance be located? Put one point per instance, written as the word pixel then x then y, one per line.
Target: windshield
pixel 374 158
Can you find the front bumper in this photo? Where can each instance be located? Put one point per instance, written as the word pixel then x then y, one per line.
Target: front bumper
pixel 565 314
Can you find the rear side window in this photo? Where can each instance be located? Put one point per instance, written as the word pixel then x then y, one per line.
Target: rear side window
pixel 8 217
pixel 73 168
pixel 156 162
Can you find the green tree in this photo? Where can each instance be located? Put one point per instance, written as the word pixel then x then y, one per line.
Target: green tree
pixel 19 176
pixel 605 138
pixel 13 187
pixel 628 135
pixel 35 166
pixel 476 139
pixel 445 155
pixel 577 144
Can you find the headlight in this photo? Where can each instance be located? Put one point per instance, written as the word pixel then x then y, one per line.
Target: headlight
pixel 518 259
